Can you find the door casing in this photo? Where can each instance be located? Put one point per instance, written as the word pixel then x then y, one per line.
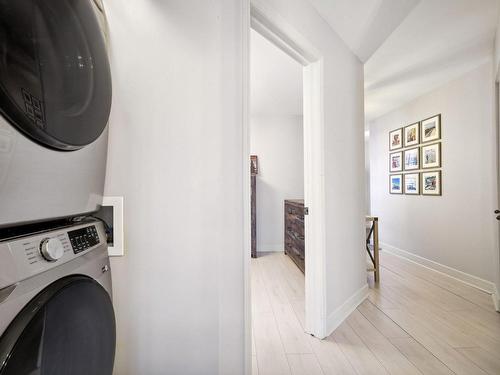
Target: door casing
pixel 271 25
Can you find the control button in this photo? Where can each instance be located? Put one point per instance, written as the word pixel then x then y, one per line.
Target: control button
pixel 51 249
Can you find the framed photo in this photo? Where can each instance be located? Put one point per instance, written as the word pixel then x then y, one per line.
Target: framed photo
pixel 396 184
pixel 430 130
pixel 396 139
pixel 431 183
pixel 412 183
pixel 412 159
pixel 431 156
pixel 396 161
pixel 411 135
pixel 254 165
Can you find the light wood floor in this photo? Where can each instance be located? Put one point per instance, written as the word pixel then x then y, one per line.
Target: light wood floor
pixel 415 322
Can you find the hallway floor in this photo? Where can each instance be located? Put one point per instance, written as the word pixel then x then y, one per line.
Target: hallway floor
pixel 415 322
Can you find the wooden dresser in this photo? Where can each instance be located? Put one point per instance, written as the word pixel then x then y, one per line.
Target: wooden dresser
pixel 294 231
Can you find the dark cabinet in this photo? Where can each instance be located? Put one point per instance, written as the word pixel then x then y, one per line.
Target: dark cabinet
pixel 253 180
pixel 254 170
pixel 294 231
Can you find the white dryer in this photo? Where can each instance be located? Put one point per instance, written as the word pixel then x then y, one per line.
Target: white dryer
pixel 55 99
pixel 56 313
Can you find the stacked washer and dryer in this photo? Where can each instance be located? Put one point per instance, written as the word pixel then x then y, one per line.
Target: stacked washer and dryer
pixel 56 314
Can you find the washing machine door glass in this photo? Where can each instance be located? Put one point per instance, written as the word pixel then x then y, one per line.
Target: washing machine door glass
pixel 55 81
pixel 69 328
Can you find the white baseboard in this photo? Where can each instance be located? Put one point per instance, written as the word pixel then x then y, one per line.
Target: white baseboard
pixel 496 299
pixel 270 248
pixel 341 313
pixel 471 280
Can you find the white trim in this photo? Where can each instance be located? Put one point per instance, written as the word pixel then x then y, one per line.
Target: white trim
pixel 245 141
pixel 262 29
pixel 273 27
pixel 314 197
pixel 117 250
pixel 496 295
pixel 471 280
pixel 342 312
pixel 496 299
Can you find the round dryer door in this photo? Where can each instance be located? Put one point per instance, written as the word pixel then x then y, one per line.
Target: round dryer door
pixel 55 81
pixel 68 328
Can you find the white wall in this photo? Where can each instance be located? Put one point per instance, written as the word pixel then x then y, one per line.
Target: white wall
pixel 367 172
pixel 278 142
pixel 175 154
pixel 275 80
pixel 497 47
pixel 176 132
pixel 457 230
pixel 345 267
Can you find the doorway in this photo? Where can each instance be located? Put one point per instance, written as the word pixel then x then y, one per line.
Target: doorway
pixel 277 185
pixel 276 148
pixel 273 28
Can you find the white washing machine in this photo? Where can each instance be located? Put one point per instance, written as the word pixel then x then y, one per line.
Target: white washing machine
pixel 55 100
pixel 56 313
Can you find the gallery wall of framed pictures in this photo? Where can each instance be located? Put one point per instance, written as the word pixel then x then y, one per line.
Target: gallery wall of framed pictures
pixel 415 158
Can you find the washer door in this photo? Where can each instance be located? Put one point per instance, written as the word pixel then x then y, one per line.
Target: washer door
pixel 55 81
pixel 68 328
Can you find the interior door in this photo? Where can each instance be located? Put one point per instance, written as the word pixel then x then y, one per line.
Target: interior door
pixel 55 80
pixel 68 328
pixel 496 297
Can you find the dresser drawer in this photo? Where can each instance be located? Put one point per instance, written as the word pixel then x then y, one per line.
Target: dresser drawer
pixel 297 258
pixel 295 227
pixel 294 232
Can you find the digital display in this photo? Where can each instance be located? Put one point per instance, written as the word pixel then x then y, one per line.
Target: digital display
pixel 83 238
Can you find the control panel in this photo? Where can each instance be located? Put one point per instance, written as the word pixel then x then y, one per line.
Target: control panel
pixel 30 255
pixel 45 249
pixel 83 239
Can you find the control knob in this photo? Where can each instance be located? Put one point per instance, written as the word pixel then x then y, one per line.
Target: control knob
pixel 51 249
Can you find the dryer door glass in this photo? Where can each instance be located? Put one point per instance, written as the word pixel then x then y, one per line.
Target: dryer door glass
pixel 69 328
pixel 55 81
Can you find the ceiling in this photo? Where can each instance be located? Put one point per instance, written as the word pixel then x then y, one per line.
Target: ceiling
pixel 275 80
pixel 364 24
pixel 436 43
pixel 409 47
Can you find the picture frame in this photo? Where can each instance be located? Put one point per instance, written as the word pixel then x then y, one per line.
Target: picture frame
pixel 430 129
pixel 411 135
pixel 396 139
pixel 254 165
pixel 396 161
pixel 431 155
pixel 396 184
pixel 411 183
pixel 412 159
pixel 432 183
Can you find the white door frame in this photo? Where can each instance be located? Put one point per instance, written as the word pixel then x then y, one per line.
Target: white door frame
pixel 496 292
pixel 275 29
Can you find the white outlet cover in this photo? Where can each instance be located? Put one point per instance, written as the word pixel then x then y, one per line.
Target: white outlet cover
pixel 117 249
